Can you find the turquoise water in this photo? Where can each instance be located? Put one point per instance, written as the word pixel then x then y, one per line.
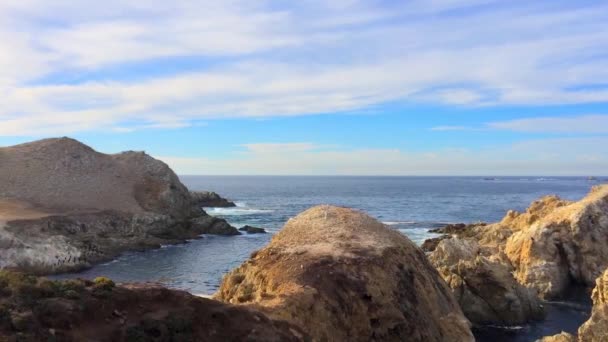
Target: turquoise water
pixel 411 205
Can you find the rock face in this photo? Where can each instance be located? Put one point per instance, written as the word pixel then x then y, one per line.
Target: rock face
pixel 561 246
pixel 33 309
pixel 484 287
pixel 553 245
pixel 596 328
pixel 64 206
pixel 340 275
pixel 210 199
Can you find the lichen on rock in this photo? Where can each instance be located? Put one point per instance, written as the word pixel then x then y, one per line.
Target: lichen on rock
pixel 340 275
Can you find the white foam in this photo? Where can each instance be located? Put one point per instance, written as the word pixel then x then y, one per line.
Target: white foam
pixel 394 223
pixel 236 211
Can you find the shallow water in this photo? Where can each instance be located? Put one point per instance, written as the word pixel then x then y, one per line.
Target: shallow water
pixel 411 205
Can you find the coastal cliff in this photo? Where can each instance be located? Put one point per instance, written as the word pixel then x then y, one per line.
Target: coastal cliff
pixel 64 206
pixel 340 275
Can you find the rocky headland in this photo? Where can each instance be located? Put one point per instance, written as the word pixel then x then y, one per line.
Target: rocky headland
pixel 64 206
pixel 340 275
pixel 501 272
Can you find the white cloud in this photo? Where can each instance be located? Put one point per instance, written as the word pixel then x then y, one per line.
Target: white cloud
pixel 533 157
pixel 304 58
pixel 575 124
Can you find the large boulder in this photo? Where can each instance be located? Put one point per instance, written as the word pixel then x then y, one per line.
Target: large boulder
pixel 484 287
pixel 340 275
pixel 64 206
pixel 37 309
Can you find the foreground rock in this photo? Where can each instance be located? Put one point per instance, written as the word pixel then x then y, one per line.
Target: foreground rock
pixel 33 309
pixel 64 206
pixel 484 287
pixel 342 276
pixel 551 246
pixel 210 199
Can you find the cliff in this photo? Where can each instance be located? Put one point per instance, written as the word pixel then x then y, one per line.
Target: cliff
pixel 65 206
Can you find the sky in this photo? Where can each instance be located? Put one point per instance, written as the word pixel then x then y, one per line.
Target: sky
pixel 342 87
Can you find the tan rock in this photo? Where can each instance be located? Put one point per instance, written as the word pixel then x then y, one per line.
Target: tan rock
pixel 342 276
pixel 563 242
pixel 484 287
pixel 561 337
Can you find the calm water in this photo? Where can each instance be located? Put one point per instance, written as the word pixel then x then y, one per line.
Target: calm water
pixel 411 205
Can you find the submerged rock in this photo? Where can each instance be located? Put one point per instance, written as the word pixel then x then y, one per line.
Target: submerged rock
pixel 340 275
pixel 37 309
pixel 210 199
pixel 64 206
pixel 252 230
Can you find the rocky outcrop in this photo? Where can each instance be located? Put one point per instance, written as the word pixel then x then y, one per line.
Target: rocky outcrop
pixel 252 230
pixel 210 199
pixel 64 206
pixel 430 245
pixel 551 246
pixel 484 287
pixel 596 328
pixel 37 309
pixel 340 275
pixel 561 337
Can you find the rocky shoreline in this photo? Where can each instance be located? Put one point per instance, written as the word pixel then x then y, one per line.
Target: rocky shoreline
pixel 331 273
pixel 500 273
pixel 65 207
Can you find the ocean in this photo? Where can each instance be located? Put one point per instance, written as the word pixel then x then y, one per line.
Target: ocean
pixel 411 205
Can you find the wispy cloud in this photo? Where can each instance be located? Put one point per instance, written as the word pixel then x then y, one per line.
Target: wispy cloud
pixel 532 157
pixel 257 59
pixel 575 124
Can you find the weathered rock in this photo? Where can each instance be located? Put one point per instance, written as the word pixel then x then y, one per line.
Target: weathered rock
pixel 458 229
pixel 562 243
pixel 561 337
pixel 210 199
pixel 64 206
pixel 342 276
pixel 596 328
pixel 551 246
pixel 37 309
pixel 429 245
pixel 484 287
pixel 252 230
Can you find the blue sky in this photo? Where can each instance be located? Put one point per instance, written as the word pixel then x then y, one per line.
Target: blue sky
pixel 436 87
